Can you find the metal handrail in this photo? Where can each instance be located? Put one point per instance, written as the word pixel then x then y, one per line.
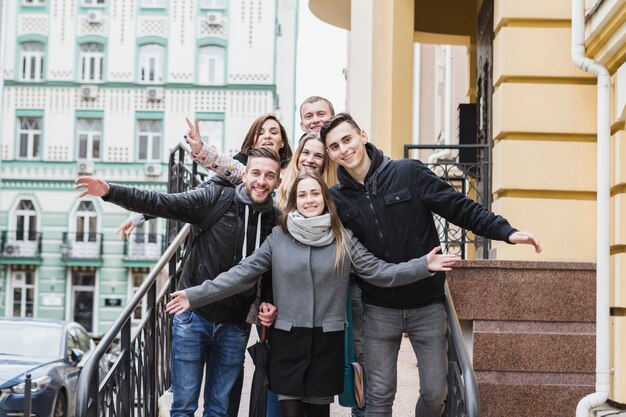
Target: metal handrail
pixel 141 370
pixel 463 399
pixel 88 383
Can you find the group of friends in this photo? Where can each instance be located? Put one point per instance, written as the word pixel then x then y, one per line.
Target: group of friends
pixel 296 235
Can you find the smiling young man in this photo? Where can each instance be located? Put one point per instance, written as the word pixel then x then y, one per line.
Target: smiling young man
pixel 314 112
pixel 213 336
pixel 389 207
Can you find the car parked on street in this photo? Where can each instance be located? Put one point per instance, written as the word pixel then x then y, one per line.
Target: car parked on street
pixel 52 352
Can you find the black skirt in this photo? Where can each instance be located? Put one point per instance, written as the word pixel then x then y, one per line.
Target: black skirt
pixel 306 362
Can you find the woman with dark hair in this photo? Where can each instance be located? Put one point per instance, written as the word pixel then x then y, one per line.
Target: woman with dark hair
pixel 265 131
pixel 310 255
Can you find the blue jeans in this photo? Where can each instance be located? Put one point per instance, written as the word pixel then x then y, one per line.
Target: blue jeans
pixel 199 344
pixel 426 327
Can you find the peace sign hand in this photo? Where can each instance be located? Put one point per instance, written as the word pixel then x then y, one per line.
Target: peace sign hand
pixel 193 137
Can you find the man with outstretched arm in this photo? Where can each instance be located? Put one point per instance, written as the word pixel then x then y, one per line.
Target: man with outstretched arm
pixel 389 206
pixel 214 336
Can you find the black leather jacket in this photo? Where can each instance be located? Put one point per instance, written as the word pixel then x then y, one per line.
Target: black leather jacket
pixel 217 250
pixel 392 215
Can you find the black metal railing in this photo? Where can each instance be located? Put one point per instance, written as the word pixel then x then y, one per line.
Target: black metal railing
pixel 82 245
pixel 463 400
pixel 144 246
pixel 468 172
pixel 140 368
pixel 20 244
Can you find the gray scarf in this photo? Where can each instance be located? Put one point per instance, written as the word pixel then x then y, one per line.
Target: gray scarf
pixel 312 231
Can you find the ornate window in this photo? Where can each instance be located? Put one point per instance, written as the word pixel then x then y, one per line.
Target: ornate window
pixel 91 62
pixel 31 61
pixel 151 60
pixel 89 132
pixel 211 62
pixel 86 222
pixel 22 294
pixel 25 221
pixel 29 138
pixel 149 141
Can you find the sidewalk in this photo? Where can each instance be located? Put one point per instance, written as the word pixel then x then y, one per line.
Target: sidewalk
pixel 406 397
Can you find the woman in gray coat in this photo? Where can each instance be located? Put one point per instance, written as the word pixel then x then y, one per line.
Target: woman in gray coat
pixel 309 254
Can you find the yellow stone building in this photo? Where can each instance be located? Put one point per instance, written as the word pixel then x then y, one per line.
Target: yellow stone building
pixel 539 107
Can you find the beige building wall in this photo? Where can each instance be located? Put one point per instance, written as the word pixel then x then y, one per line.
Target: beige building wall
pixel 543 120
pixel 543 132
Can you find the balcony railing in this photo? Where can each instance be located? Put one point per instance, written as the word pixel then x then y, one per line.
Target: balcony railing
pixel 144 246
pixel 20 244
pixel 469 174
pixel 81 245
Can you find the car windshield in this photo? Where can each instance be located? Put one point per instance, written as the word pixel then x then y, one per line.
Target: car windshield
pixel 30 339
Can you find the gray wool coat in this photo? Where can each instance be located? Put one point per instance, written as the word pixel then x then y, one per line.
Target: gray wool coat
pixel 308 292
pixel 308 336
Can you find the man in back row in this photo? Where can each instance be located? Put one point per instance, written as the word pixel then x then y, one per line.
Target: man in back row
pixel 389 206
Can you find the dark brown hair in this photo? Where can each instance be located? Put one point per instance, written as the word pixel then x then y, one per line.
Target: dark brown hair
pixel 253 134
pixel 261 152
pixel 335 121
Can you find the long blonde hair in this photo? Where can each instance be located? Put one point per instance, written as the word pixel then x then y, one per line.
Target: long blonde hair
pixel 329 171
pixel 342 249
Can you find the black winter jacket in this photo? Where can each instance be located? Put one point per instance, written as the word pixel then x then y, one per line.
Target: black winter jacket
pixel 217 250
pixel 392 216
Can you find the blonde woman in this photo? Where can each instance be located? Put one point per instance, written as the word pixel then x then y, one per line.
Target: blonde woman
pixel 310 155
pixel 310 255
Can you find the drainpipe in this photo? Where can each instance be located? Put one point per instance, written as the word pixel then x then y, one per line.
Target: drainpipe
pixel 447 108
pixel 602 211
pixel 417 92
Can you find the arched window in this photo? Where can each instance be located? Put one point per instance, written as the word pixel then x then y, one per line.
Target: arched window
pixel 211 65
pixel 86 222
pixel 151 62
pixel 31 61
pixel 25 221
pixel 91 62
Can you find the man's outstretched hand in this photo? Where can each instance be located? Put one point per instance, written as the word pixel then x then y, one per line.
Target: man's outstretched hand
pixel 526 238
pixel 92 186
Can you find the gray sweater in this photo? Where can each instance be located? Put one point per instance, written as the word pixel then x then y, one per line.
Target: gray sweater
pixel 308 292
